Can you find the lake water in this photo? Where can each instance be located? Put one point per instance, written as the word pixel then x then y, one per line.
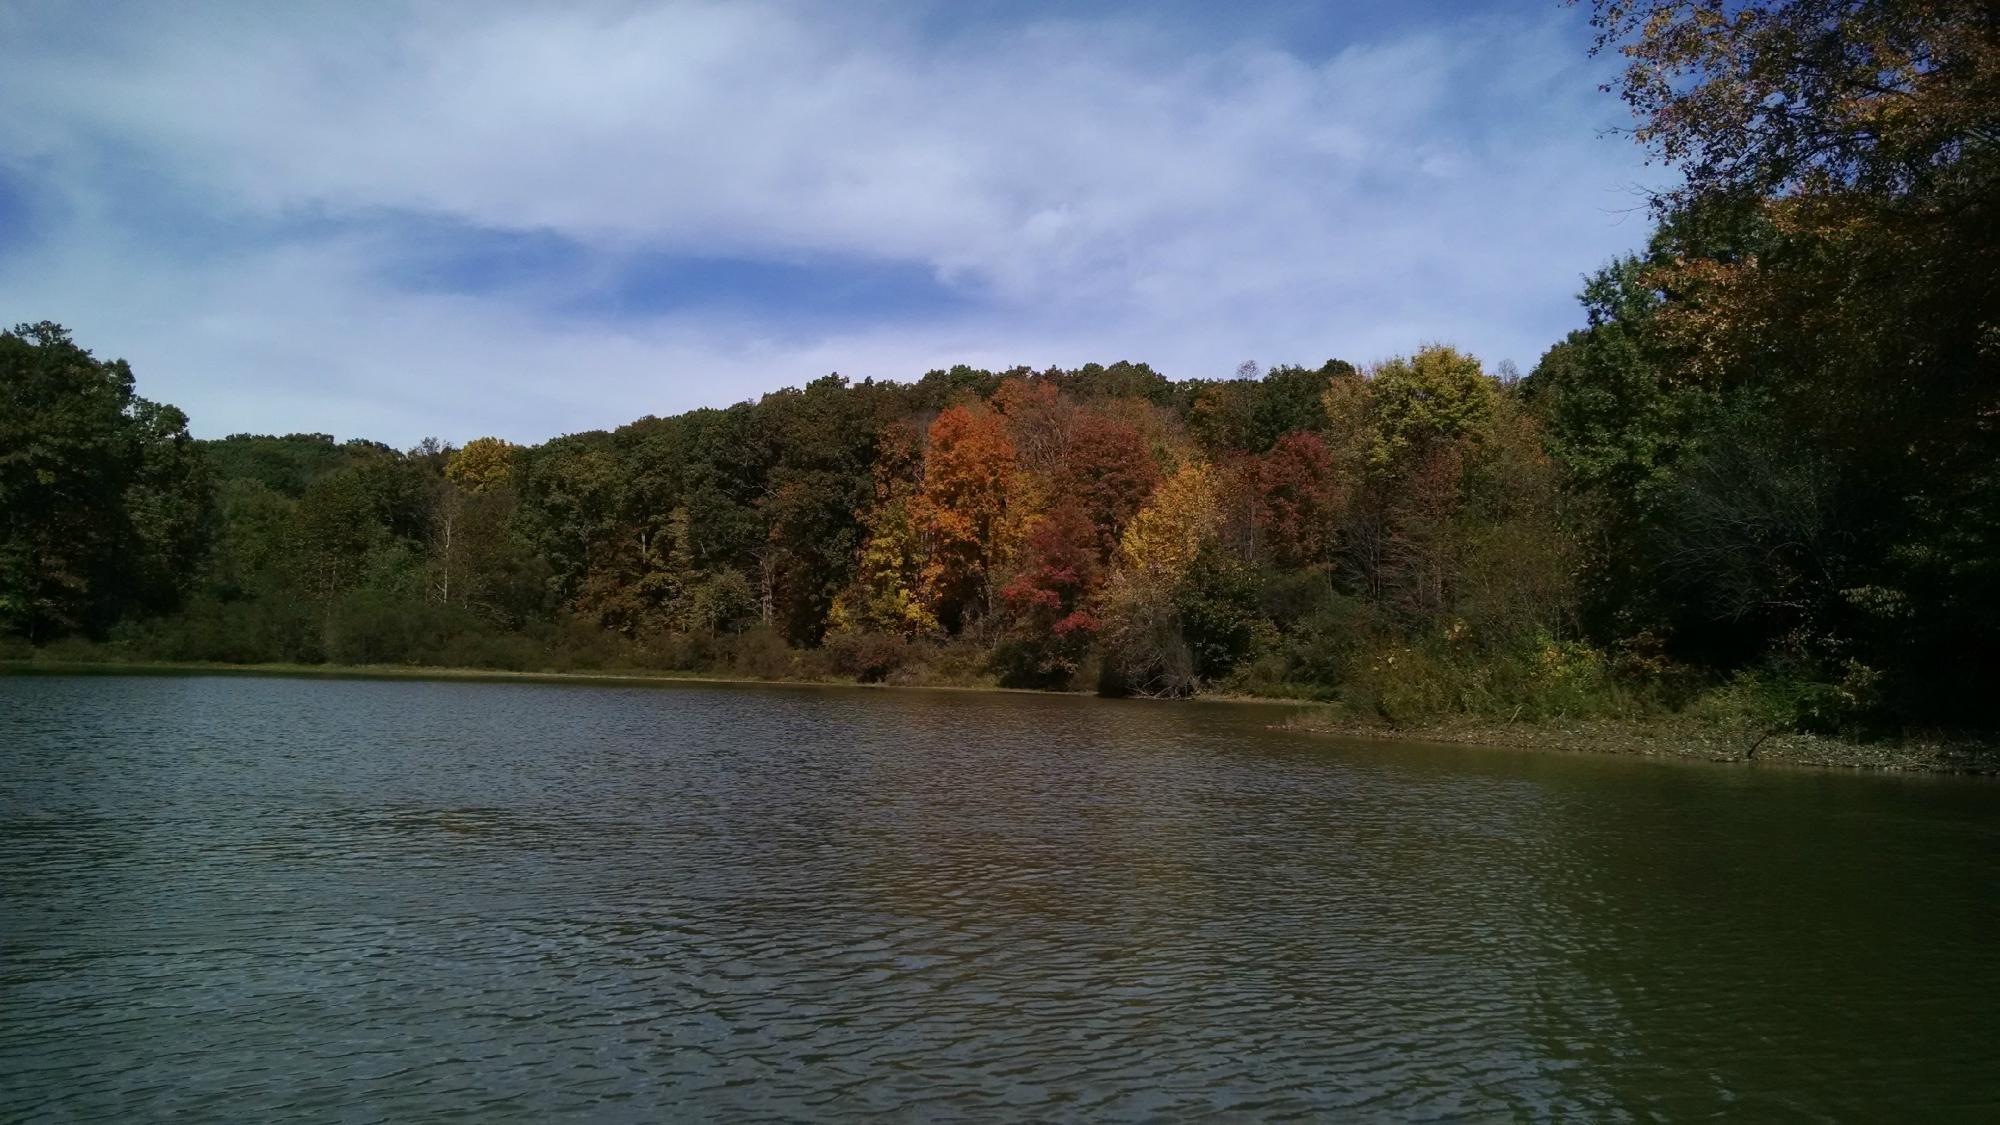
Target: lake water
pixel 232 898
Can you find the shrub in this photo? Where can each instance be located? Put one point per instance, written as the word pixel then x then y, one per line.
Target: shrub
pixel 581 645
pixel 1323 643
pixel 1023 662
pixel 1401 683
pixel 82 650
pixel 673 651
pixel 761 653
pixel 275 630
pixel 1780 697
pixel 960 661
pixel 513 652
pixel 869 657
pixel 1565 680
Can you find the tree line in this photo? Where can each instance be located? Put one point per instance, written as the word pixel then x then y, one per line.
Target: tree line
pixel 1763 476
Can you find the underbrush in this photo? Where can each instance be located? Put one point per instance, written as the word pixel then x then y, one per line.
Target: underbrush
pixel 1335 653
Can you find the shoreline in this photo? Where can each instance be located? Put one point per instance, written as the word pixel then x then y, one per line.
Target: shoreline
pixel 1667 738
pixel 1678 739
pixel 470 675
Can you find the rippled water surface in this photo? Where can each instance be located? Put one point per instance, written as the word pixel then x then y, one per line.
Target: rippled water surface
pixel 273 899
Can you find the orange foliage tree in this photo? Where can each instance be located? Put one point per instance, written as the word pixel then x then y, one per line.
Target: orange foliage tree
pixel 968 471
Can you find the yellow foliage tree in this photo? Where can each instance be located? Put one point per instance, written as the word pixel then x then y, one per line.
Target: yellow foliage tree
pixel 482 464
pixel 885 595
pixel 1142 626
pixel 1163 539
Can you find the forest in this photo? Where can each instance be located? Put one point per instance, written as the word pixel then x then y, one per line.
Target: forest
pixel 1761 477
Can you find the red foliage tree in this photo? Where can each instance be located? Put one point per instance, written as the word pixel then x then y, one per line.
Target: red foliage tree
pixel 1299 500
pixel 1109 473
pixel 1047 601
pixel 1059 570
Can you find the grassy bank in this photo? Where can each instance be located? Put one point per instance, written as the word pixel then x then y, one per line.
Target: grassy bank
pixel 1682 738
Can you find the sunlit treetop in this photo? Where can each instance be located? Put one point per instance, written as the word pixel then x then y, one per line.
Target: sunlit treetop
pixel 1804 95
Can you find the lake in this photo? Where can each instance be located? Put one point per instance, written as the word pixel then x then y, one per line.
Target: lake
pixel 268 899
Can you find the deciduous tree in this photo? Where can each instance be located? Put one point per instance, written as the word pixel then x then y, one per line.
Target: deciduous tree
pixel 968 470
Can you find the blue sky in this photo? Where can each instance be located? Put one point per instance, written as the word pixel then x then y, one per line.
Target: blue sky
pixel 401 220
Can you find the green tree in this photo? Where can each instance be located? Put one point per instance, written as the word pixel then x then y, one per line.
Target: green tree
pixel 569 494
pixel 1829 270
pixel 1289 401
pixel 1217 606
pixel 104 498
pixel 335 529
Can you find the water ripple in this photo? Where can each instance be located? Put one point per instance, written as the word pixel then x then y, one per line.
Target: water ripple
pixel 270 900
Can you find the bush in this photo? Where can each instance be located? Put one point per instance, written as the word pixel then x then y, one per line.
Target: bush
pixel 1779 697
pixel 1543 680
pixel 512 652
pixel 1269 675
pixel 578 644
pixel 82 650
pixel 1565 680
pixel 1022 662
pixel 1324 642
pixel 960 661
pixel 761 653
pixel 670 651
pixel 1639 664
pixel 259 631
pixel 1400 683
pixel 868 657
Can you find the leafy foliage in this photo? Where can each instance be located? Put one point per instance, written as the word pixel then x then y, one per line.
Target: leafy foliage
pixel 104 501
pixel 1786 412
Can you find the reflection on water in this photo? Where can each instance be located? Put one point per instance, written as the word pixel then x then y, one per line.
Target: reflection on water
pixel 262 898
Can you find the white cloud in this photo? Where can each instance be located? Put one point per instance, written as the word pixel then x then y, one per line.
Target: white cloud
pixel 1103 191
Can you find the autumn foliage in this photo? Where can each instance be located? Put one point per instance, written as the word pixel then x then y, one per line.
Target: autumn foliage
pixel 1763 470
pixel 962 510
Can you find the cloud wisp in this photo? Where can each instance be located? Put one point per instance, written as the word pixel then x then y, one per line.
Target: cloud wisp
pixel 545 219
